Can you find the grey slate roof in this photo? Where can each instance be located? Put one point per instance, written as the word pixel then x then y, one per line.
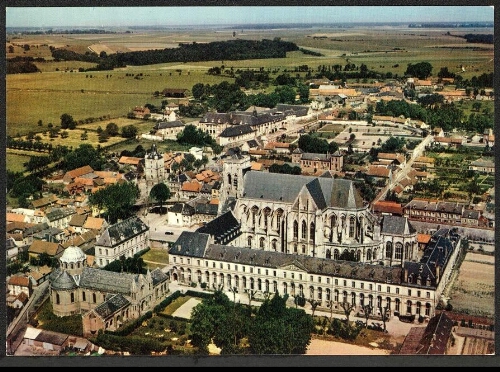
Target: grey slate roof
pixel 190 244
pixel 122 231
pixel 169 124
pixel 397 225
pixel 58 213
pixel 296 109
pixel 158 276
pixel 205 208
pixel 111 305
pixel 311 265
pixel 437 253
pixel 62 280
pixel 223 228
pixel 339 193
pixel 184 208
pixel 236 130
pixel 35 228
pixel 107 281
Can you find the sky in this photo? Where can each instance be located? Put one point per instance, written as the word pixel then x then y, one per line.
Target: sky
pixel 213 15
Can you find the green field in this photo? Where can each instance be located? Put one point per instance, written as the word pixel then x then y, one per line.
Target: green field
pixel 46 96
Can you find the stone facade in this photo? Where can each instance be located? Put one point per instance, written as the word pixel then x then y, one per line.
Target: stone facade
pixel 105 299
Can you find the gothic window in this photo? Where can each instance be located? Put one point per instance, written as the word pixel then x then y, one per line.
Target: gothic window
pixel 312 234
pixel 295 230
pixel 295 248
pixel 352 225
pixel 303 249
pixel 279 214
pixel 333 221
pixel 255 210
pixel 358 255
pixel 408 252
pixel 398 251
pixel 261 243
pixel 369 255
pixel 328 254
pixel 249 241
pixel 304 230
pixel 336 254
pixel 388 250
pixel 267 212
pixel 274 244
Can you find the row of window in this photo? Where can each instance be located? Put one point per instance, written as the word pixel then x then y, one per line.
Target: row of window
pixel 314 293
pixel 298 276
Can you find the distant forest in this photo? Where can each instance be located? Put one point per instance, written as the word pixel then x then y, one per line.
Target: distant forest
pixel 192 52
pixel 451 25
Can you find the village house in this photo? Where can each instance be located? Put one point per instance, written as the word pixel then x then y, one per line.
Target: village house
pixel 38 247
pixel 169 129
pixel 140 112
pixel 483 165
pixel 312 162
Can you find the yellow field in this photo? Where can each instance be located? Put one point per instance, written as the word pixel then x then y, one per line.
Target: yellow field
pixel 474 289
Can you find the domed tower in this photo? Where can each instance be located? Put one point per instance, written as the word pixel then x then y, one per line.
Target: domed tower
pixel 154 166
pixel 65 281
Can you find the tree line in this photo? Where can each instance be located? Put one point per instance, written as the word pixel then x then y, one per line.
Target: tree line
pixel 186 52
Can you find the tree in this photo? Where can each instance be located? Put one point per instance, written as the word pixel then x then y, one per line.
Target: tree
pixel 367 310
pixel 117 200
pixel 85 154
pixel 278 329
pixel 421 70
pixel 67 121
pixel 112 129
pixel 348 308
pixel 384 313
pixel 129 131
pixel 161 193
pixel 314 304
pixel 198 90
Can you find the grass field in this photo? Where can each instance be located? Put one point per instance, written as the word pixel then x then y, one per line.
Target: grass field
pixel 52 93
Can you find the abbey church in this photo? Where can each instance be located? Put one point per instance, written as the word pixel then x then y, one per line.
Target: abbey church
pixel 313 237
